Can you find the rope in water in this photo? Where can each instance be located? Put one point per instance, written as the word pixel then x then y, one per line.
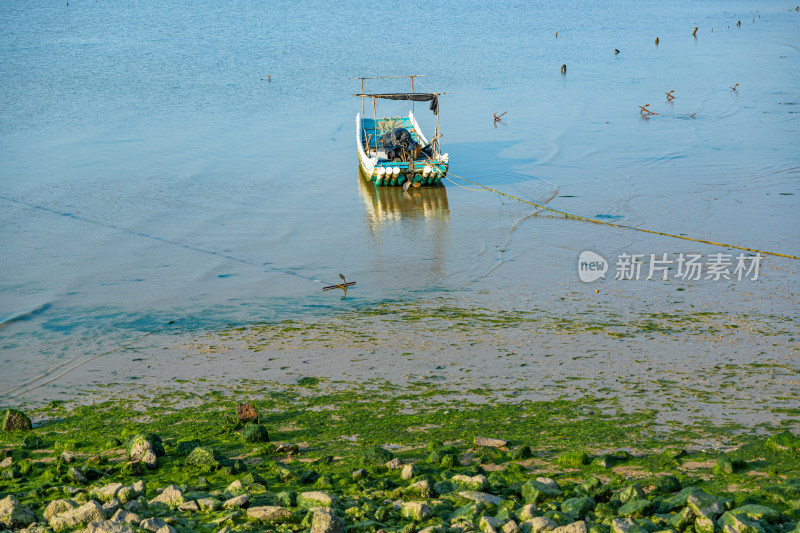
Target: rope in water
pixel 622 226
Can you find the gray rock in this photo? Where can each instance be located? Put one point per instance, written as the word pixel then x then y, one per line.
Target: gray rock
pixel 238 502
pixel 488 524
pixel 316 498
pixel 420 490
pixel 416 511
pixel 167 529
pixel 705 504
pixel 57 507
pixel 13 515
pixel 139 487
pixel 541 524
pixel 152 524
pixel 170 497
pixel 126 494
pixel 626 525
pixel 324 521
pixel 67 456
pixel 409 471
pixel 111 507
pixel 107 526
pixel 271 514
pixel 575 527
pixel 234 489
pixel 286 448
pixel 480 497
pixel 77 476
pixel 394 464
pixel 478 482
pixel 88 512
pixel 139 448
pixel 124 516
pixel 107 492
pixel 209 504
pixel 5 463
pixel 493 443
pixel 548 482
pixel 511 527
pixel 134 506
pixel 191 506
pixel 527 512
pixel 149 459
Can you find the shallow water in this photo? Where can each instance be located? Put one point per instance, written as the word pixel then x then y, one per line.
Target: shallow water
pixel 155 179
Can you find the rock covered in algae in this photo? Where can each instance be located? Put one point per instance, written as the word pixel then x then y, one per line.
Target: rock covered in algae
pixel 205 459
pixel 376 456
pixel 14 420
pixel 255 433
pixel 13 514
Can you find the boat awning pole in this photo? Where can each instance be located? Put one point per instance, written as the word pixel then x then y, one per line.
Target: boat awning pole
pixel 438 146
pixel 363 129
pixel 412 92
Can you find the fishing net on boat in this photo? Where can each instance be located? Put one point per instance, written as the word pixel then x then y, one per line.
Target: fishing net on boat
pixel 399 143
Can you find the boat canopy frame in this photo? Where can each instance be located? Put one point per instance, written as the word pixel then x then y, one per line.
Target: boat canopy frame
pixel 412 97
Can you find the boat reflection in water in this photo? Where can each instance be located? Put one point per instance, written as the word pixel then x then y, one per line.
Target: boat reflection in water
pixel 388 205
pixel 409 229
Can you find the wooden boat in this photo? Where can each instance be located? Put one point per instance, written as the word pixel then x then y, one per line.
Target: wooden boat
pixel 393 151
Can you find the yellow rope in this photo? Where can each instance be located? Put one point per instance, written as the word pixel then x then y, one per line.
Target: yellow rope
pixel 459 185
pixel 585 219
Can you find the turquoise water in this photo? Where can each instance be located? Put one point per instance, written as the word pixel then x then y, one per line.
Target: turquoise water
pixel 191 165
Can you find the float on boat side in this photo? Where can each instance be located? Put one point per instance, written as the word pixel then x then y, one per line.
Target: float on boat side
pixel 393 151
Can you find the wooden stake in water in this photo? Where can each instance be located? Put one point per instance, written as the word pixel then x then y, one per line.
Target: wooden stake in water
pixel 342 286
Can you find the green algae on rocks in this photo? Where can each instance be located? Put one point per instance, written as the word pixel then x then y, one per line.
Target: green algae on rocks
pixel 397 460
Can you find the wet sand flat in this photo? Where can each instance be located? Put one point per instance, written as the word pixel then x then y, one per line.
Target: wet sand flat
pixel 689 367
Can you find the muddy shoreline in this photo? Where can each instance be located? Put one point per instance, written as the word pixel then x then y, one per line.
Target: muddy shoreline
pixel 691 367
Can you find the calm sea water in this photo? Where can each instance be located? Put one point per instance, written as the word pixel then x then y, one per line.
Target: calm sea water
pixel 188 165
